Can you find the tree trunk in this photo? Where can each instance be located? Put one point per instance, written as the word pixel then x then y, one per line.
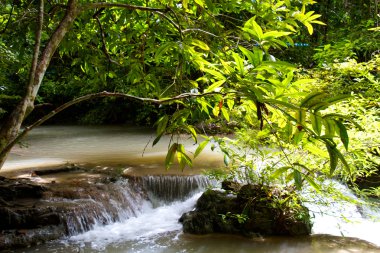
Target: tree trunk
pixel 10 129
pixel 11 126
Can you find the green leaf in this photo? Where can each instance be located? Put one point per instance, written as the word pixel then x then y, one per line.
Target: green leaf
pixel 170 155
pixel 200 2
pixel 228 69
pixel 331 101
pixel 250 55
pixel 297 179
pixel 200 148
pixel 301 116
pixel 280 171
pixel 329 127
pixel 230 103
pixel 215 73
pixel 316 122
pixel 289 130
pixel 185 4
pixel 161 124
pixel 333 158
pixel 255 27
pixel 303 82
pixel 342 133
pixel 343 160
pixel 183 158
pixel 163 49
pixel 345 117
pixel 275 34
pixel 280 102
pixel 310 97
pixel 225 114
pixel 239 63
pixel 192 131
pixel 215 85
pixel 226 160
pixel 157 139
pixel 200 44
pixel 298 137
pixel 312 183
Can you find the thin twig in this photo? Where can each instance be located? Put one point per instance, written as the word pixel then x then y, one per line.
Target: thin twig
pixel 9 18
pixel 199 30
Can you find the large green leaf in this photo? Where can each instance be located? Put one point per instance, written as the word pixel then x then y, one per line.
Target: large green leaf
pixel 342 133
pixel 239 63
pixel 200 148
pixel 170 155
pixel 297 179
pixel 164 49
pixel 333 158
pixel 316 122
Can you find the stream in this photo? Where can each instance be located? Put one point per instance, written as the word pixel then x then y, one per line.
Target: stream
pixel 154 225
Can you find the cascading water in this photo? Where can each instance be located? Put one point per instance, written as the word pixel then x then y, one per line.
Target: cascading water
pixel 123 220
pixel 163 189
pixel 344 218
pixel 151 228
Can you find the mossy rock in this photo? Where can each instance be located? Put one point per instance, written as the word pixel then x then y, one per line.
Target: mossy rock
pixel 255 209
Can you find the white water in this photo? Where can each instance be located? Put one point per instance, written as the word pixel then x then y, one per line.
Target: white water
pixel 151 223
pixel 344 218
pixel 158 229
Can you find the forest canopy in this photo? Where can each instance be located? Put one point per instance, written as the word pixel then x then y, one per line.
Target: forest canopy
pixel 299 77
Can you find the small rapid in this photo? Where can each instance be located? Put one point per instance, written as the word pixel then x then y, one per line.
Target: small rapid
pixel 154 227
pixel 148 226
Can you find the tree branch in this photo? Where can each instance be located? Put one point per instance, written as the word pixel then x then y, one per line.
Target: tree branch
pixel 120 5
pixel 100 95
pixel 159 11
pixel 9 18
pixel 199 30
pixel 37 44
pixel 104 48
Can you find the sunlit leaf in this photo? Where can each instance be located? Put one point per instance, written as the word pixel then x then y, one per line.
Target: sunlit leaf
pixel 297 179
pixel 170 155
pixel 316 122
pixel 343 133
pixel 200 148
pixel 333 158
pixel 200 44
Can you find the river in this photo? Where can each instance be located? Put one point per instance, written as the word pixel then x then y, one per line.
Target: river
pixel 156 228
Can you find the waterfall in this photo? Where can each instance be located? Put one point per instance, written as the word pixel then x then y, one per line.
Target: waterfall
pixel 82 209
pixel 163 189
pixel 97 204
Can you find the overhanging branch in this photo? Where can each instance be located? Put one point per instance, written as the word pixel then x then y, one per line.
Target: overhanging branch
pixel 100 95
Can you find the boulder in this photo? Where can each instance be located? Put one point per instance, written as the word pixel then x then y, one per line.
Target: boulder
pixel 253 210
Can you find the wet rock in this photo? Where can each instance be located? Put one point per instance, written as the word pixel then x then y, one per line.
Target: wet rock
pixel 254 210
pixel 32 214
pixel 11 189
pixel 66 168
pixel 231 186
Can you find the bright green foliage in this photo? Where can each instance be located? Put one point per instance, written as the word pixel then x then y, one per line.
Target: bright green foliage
pixel 217 58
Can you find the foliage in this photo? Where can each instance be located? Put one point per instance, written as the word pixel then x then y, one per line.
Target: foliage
pixel 357 43
pixel 218 58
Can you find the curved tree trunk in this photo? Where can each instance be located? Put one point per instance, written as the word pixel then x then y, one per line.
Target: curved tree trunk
pixel 11 126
